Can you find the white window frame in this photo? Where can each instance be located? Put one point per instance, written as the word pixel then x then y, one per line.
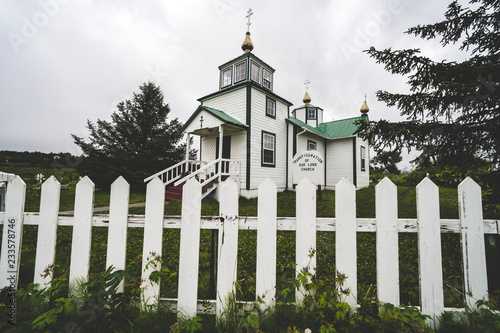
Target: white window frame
pixel 311 145
pixel 363 158
pixel 267 79
pixel 269 102
pixel 240 75
pixel 268 144
pixel 224 82
pixel 311 116
pixel 254 65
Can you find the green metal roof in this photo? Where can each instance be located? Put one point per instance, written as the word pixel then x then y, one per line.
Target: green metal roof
pixel 216 113
pixel 333 129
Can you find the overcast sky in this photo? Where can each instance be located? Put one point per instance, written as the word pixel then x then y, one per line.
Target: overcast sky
pixel 65 61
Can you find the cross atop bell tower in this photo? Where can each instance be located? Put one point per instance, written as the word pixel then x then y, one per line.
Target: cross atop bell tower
pixel 249 13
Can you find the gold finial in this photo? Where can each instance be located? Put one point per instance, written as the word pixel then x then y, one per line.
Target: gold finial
pixel 364 108
pixel 247 45
pixel 307 98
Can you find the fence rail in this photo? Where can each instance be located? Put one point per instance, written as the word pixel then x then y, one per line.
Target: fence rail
pixel 386 224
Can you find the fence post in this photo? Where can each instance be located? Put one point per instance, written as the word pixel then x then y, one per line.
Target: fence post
pixel 153 239
pixel 472 241
pixel 82 232
pixel 117 230
pixel 386 210
pixel 429 250
pixel 265 284
pixel 12 233
pixel 345 237
pixel 305 240
pixel 228 244
pixel 189 250
pixel 47 231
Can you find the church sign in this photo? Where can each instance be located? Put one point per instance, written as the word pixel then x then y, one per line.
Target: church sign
pixel 308 164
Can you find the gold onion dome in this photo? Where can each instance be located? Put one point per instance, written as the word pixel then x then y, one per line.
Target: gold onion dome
pixel 307 98
pixel 364 108
pixel 247 45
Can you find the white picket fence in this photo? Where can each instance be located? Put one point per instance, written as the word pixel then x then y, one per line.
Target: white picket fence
pixel 386 224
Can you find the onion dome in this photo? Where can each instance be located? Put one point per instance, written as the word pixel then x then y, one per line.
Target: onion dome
pixel 307 98
pixel 247 45
pixel 364 108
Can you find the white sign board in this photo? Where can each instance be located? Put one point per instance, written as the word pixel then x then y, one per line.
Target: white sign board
pixel 308 164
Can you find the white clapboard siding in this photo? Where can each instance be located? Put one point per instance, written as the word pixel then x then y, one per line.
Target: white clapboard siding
pixel 82 232
pixel 345 238
pixel 12 233
pixel 227 244
pixel 189 250
pixel 472 237
pixel 429 249
pixel 153 238
pixel 305 243
pixel 47 231
pixel 386 210
pixel 117 232
pixel 266 242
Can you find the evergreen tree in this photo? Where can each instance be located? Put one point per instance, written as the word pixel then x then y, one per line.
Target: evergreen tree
pixel 452 111
pixel 138 141
pixel 387 160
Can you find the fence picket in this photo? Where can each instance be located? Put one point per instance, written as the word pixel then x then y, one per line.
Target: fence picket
pixel 305 240
pixel 227 244
pixel 117 230
pixel 189 249
pixel 429 249
pixel 82 232
pixel 47 231
pixel 386 210
pixel 345 237
pixel 153 239
pixel 12 233
pixel 472 239
pixel 266 242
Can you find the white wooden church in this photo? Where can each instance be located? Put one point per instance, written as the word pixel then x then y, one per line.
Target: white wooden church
pixel 248 132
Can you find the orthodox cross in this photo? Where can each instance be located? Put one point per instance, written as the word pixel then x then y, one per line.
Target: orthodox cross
pixel 306 84
pixel 249 13
pixel 201 122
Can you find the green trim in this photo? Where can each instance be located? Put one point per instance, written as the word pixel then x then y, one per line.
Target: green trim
pixel 286 159
pixel 354 170
pixel 243 84
pixel 224 117
pixel 249 132
pixel 247 55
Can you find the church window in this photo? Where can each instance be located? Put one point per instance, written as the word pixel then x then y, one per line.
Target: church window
pixel 268 149
pixel 255 72
pixel 240 70
pixel 311 113
pixel 363 158
pixel 267 78
pixel 311 145
pixel 270 107
pixel 227 76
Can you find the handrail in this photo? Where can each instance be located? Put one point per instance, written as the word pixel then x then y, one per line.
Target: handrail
pixel 174 169
pixel 193 174
pixel 221 171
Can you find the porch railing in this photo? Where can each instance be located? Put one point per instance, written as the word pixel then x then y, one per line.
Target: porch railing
pixel 176 171
pixel 217 169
